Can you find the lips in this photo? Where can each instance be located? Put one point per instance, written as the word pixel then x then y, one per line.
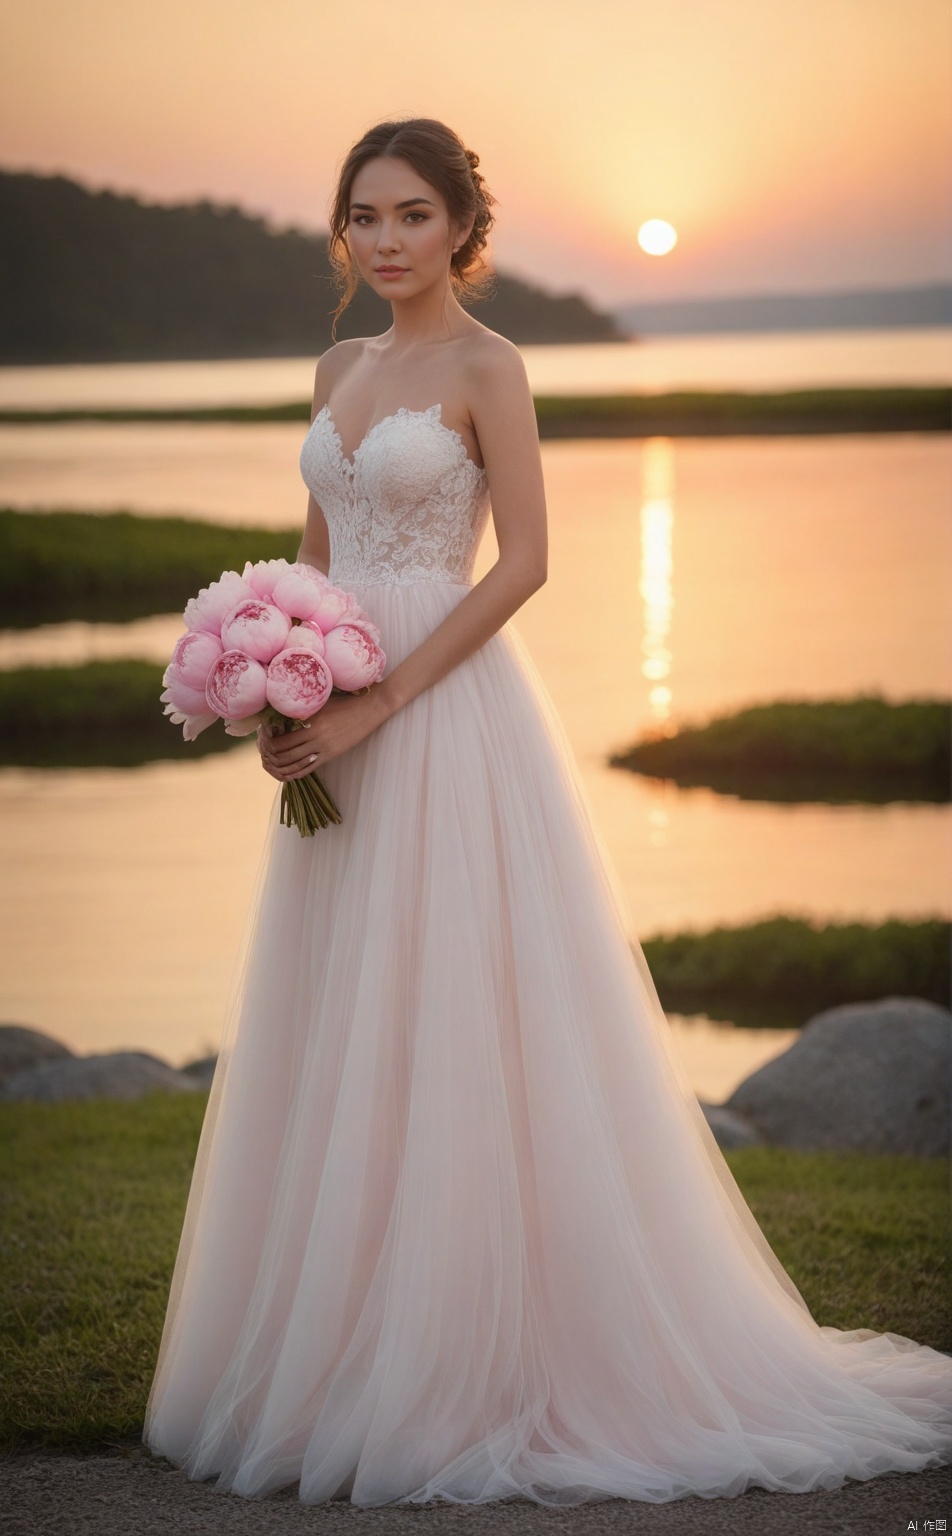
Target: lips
pixel 391 271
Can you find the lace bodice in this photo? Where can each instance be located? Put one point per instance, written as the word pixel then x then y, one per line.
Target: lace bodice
pixel 411 505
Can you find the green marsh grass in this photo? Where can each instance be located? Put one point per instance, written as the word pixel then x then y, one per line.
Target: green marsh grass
pixel 106 714
pixel 865 748
pixel 94 1197
pixel 115 566
pixel 779 970
pixel 676 413
pixel 714 413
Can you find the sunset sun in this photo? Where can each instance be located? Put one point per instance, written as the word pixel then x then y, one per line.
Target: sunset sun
pixel 657 237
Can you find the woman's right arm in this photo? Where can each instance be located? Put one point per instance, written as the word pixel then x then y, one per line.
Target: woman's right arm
pixel 315 546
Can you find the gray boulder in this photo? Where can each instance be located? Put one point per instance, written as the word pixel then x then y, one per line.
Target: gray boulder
pixel 202 1071
pixel 865 1077
pixel 120 1075
pixel 21 1048
pixel 730 1130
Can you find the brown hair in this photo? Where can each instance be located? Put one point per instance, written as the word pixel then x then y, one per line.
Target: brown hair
pixel 438 155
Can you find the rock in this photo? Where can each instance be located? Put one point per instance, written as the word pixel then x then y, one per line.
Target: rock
pixel 865 1077
pixel 21 1047
pixel 120 1075
pixel 202 1070
pixel 730 1130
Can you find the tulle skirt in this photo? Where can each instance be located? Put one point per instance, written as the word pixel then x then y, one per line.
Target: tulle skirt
pixel 457 1228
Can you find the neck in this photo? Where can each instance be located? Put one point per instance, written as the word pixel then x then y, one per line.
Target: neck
pixel 433 316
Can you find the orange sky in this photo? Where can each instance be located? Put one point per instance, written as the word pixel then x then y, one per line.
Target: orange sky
pixel 794 144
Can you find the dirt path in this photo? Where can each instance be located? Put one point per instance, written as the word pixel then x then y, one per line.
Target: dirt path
pixel 130 1493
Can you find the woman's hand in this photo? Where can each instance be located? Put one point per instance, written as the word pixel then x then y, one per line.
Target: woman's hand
pixel 342 722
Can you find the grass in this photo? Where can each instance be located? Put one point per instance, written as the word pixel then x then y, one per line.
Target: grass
pixel 855 749
pixel 675 413
pixel 94 1197
pixel 105 714
pixel 867 1240
pixel 95 1194
pixel 114 566
pixel 713 413
pixel 238 415
pixel 782 969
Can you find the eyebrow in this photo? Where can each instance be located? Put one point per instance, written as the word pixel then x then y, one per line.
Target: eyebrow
pixel 407 204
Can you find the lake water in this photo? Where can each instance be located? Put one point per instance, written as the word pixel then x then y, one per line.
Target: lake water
pixel 768 360
pixel 686 576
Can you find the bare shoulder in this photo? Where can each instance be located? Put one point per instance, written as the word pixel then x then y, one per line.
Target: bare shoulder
pixel 333 364
pixel 492 362
pixel 498 392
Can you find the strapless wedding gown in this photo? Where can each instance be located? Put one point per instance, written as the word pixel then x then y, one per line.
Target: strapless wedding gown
pixel 457 1227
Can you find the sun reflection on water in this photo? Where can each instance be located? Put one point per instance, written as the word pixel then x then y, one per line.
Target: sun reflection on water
pixel 656 580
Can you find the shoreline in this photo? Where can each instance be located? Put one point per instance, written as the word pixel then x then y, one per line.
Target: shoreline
pixel 671 413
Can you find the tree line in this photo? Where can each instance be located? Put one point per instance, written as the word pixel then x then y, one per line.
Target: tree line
pixel 97 276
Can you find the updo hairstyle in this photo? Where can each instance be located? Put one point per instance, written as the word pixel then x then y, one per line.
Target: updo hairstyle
pixel 438 155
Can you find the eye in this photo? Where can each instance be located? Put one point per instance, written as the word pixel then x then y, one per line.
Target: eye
pixel 417 213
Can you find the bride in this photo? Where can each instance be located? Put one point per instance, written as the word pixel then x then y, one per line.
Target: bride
pixel 457 1226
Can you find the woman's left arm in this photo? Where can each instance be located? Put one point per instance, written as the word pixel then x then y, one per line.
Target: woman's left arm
pixel 503 415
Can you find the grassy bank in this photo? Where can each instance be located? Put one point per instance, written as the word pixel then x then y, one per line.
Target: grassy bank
pixel 675 413
pixel 715 413
pixel 780 970
pixel 94 1198
pixel 864 749
pixel 116 566
pixel 106 714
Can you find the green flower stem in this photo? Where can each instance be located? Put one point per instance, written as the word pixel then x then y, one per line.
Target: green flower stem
pixel 306 804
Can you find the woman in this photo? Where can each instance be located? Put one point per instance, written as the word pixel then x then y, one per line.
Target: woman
pixel 457 1227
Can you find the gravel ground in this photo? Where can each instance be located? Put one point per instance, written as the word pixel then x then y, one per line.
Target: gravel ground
pixel 131 1493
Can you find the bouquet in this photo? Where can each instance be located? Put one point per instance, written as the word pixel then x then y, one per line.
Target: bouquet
pixel 269 647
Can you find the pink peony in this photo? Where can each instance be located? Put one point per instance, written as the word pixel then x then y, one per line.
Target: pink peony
pixel 361 621
pixel 193 658
pixel 306 637
pixel 206 611
pixel 190 701
pixel 311 573
pixel 352 609
pixel 249 724
pixel 355 659
pixel 259 629
pixel 261 576
pixel 237 686
pixel 186 707
pixel 300 591
pixel 299 683
pixel 333 608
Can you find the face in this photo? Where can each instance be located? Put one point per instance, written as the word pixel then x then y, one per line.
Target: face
pixel 397 221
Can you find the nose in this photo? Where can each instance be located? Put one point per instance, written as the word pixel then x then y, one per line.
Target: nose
pixel 387 240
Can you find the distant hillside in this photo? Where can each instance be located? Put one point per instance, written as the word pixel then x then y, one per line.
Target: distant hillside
pixel 94 277
pixel 861 307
